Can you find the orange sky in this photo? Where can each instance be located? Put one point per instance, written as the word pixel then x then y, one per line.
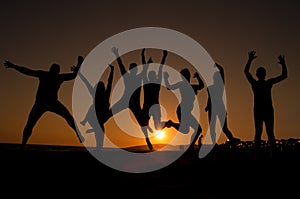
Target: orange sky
pixel 39 33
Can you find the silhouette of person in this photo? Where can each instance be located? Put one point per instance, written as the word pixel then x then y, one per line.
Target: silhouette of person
pixel 132 80
pixel 47 95
pixel 152 86
pixel 100 106
pixel 219 91
pixel 263 107
pixel 184 115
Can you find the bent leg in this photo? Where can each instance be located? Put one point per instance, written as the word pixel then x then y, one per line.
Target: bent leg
pixel 212 128
pixel 61 110
pixel 197 128
pixel 143 119
pixel 99 137
pixel 229 134
pixel 34 115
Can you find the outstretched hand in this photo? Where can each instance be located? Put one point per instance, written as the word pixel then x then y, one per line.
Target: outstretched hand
pixel 115 51
pixel 75 69
pixel 219 66
pixel 281 59
pixel 80 60
pixel 252 55
pixel 150 61
pixel 8 64
pixel 196 75
pixel 112 68
pixel 165 53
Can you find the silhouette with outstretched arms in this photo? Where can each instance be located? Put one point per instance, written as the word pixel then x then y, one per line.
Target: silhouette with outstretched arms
pixel 263 106
pixel 132 80
pixel 221 110
pixel 152 86
pixel 184 109
pixel 99 112
pixel 47 95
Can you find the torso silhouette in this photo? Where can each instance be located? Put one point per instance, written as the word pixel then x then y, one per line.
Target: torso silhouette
pixel 262 94
pixel 152 98
pixel 48 87
pixel 102 104
pixel 133 81
pixel 187 96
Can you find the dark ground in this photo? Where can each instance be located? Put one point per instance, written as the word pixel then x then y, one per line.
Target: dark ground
pixel 227 172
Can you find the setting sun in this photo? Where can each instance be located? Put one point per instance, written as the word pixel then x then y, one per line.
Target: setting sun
pixel 160 134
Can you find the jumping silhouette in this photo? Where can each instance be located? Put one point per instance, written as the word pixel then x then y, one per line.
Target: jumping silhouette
pixel 100 107
pixel 263 107
pixel 47 95
pixel 152 86
pixel 184 109
pixel 218 91
pixel 132 80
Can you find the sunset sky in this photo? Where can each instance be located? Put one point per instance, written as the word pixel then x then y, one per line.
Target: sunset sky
pixel 38 33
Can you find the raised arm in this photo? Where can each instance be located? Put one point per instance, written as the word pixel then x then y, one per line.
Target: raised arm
pixel 87 83
pixel 145 66
pixel 119 60
pixel 168 85
pixel 221 70
pixel 143 56
pixel 163 60
pixel 283 75
pixel 200 85
pixel 74 69
pixel 22 69
pixel 110 80
pixel 251 57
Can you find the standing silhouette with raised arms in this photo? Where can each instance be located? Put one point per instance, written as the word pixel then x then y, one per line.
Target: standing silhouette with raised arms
pixel 132 80
pixel 152 85
pixel 47 95
pixel 213 118
pixel 100 107
pixel 184 109
pixel 263 107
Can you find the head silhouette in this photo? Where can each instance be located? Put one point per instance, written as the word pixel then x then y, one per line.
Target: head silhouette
pixel 54 69
pixel 152 76
pixel 186 73
pixel 261 73
pixel 133 68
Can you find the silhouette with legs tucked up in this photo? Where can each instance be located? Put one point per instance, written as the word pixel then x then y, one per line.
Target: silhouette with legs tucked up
pixel 100 107
pixel 218 114
pixel 187 104
pixel 47 95
pixel 263 107
pixel 152 86
pixel 132 80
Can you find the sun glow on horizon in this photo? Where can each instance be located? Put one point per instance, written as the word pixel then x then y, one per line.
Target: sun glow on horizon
pixel 160 134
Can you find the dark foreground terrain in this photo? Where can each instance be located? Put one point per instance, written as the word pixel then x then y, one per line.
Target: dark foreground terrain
pixel 227 172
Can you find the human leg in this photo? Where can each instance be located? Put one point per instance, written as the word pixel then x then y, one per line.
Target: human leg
pixel 269 121
pixel 258 121
pixel 228 133
pixel 61 110
pixel 36 112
